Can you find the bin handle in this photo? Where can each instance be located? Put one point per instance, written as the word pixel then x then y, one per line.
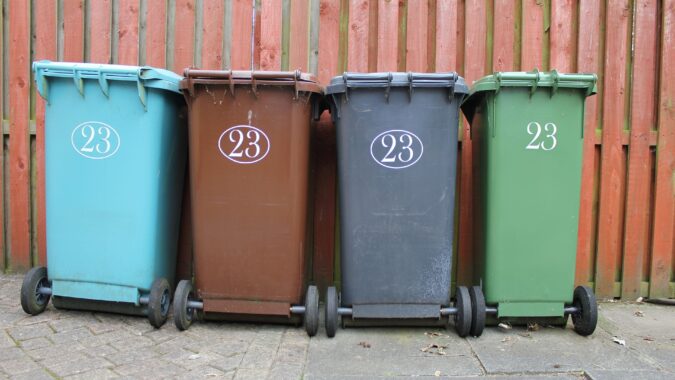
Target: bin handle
pixel 103 82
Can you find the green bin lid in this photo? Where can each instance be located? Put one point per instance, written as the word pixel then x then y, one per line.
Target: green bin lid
pixel 532 80
pixel 144 76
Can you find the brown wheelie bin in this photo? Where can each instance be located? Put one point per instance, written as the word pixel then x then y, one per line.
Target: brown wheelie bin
pixel 249 163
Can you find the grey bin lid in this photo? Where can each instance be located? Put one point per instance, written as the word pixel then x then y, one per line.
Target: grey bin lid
pixel 340 84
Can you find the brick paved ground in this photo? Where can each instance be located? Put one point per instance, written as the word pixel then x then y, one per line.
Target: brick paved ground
pixel 71 344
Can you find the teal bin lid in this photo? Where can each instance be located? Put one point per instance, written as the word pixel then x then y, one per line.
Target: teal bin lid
pixel 532 80
pixel 144 76
pixel 449 80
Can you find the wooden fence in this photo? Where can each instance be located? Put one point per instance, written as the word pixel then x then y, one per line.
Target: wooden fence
pixel 626 231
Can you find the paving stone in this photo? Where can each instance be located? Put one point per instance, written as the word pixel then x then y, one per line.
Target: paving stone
pixel 58 351
pixel 206 373
pixel 37 374
pixel 594 374
pixel 259 356
pixel 151 369
pixel 30 332
pixel 18 366
pixel 35 343
pixel 11 353
pixel 251 374
pixel 131 355
pixel 6 340
pixel 100 373
pixel 228 364
pixel 71 336
pixel 291 353
pixel 286 372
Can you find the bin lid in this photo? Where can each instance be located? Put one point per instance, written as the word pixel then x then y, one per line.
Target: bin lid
pixel 302 81
pixel 144 76
pixel 532 80
pixel 340 84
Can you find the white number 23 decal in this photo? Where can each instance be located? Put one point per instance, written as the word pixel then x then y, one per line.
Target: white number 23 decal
pixel 547 142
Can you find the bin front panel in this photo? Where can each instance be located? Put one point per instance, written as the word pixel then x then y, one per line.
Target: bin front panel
pixel 249 168
pixel 114 174
pixel 397 163
pixel 530 156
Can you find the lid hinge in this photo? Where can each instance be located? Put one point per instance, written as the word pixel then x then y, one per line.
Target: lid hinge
pixel 535 82
pixel 103 82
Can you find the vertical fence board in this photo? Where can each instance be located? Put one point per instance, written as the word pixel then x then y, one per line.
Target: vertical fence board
pixel 533 34
pixel 664 210
pixel 45 48
pixel 329 39
pixel 613 158
pixel 73 30
pixel 99 30
pixel 562 35
pixel 19 154
pixel 357 45
pixel 212 35
pixel 387 25
pixel 127 53
pixel 2 142
pixel 299 37
pixel 184 36
pixel 416 37
pixel 155 36
pixel 241 34
pixel 447 31
pixel 474 68
pixel 638 188
pixel 589 59
pixel 504 38
pixel 270 35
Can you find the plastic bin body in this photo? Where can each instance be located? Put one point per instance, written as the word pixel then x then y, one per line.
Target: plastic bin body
pixel 527 146
pixel 249 165
pixel 397 152
pixel 113 191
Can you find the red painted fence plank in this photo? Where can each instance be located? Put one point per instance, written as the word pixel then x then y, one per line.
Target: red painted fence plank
pixel 73 30
pixel 416 44
pixel 329 39
pixel 663 250
pixel 242 11
pixel 155 35
pixel 127 35
pixel 639 184
pixel 270 35
pixel 613 158
pixel 533 34
pixel 184 35
pixel 45 48
pixel 588 60
pixel 299 38
pixel 504 39
pixel 387 27
pixel 447 29
pixel 357 45
pixel 212 35
pixel 562 35
pixel 99 30
pixel 19 153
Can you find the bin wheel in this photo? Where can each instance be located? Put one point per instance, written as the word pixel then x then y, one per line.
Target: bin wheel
pixel 332 316
pixel 158 304
pixel 586 319
pixel 312 310
pixel 183 315
pixel 463 315
pixel 32 301
pixel 477 311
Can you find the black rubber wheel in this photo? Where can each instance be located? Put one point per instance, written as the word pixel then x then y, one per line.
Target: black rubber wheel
pixel 158 304
pixel 477 311
pixel 182 314
pixel 586 319
pixel 332 304
pixel 32 301
pixel 463 315
pixel 312 310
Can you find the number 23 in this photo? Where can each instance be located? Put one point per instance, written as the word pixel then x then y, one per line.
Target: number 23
pixel 549 142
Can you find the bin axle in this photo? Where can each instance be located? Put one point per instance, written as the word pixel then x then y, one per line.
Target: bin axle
pixel 45 291
pixel 568 310
pixel 445 311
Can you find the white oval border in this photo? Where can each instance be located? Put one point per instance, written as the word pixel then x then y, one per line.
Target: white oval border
pixel 72 140
pixel 269 144
pixel 396 167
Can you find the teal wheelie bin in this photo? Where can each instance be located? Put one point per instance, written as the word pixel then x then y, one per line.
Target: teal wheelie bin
pixel 115 155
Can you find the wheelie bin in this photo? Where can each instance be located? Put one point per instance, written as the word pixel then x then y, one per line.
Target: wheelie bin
pixel 527 137
pixel 249 164
pixel 397 153
pixel 115 151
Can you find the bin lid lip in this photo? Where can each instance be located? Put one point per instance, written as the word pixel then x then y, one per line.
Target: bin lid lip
pixel 146 75
pixel 340 83
pixel 535 78
pixel 306 81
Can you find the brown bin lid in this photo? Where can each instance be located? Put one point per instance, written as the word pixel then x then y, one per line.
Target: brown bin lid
pixel 302 81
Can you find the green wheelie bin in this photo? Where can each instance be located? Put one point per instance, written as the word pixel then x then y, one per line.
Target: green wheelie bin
pixel 527 131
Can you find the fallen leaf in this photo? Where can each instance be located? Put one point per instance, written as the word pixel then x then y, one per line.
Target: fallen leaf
pixel 639 313
pixel 193 357
pixel 532 327
pixel 557 366
pixel 505 326
pixel 639 300
pixel 508 338
pixel 616 340
pixel 648 339
pixel 437 373
pixel 364 344
pixel 435 349
pixel 526 335
pixel 434 334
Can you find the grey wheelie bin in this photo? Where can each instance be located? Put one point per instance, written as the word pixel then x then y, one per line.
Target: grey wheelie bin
pixel 397 154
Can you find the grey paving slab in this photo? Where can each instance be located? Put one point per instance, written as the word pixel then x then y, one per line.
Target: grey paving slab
pixel 375 352
pixel 594 374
